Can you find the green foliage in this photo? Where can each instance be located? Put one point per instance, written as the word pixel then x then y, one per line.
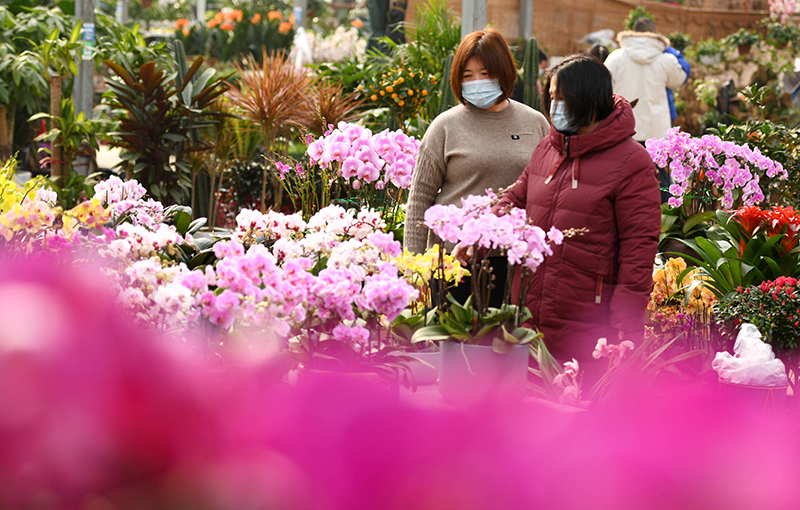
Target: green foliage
pixel 77 189
pixel 773 307
pixel 742 37
pixel 158 11
pixel 435 34
pixel 22 78
pixel 21 73
pixel 706 91
pixel 498 327
pixel 57 54
pixel 242 33
pixel 531 68
pixel 127 46
pixel 680 40
pixel 35 25
pixel 731 257
pixel 676 223
pixel 404 91
pixel 709 47
pixel 780 35
pixel 349 72
pixel 156 119
pixel 777 141
pixel 70 129
pixel 446 97
pixel 639 12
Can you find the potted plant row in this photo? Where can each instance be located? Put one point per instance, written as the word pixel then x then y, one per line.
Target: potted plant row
pixel 484 350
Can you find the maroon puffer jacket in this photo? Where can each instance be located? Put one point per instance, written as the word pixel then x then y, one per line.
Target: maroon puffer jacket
pixel 596 284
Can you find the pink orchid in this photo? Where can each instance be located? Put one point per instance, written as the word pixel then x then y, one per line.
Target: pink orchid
pixel 601 350
pixel 572 367
pixel 350 167
pixel 368 173
pixel 315 150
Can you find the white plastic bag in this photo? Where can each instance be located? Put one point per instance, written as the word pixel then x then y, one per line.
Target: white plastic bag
pixel 754 363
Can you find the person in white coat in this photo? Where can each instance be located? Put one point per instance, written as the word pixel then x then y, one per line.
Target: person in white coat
pixel 640 70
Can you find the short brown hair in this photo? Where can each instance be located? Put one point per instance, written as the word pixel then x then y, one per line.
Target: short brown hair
pixel 490 48
pixel 644 25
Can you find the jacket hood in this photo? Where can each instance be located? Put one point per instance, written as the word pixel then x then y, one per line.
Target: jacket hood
pixel 618 126
pixel 643 47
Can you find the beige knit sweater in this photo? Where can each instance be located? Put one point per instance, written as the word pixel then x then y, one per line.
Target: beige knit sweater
pixel 465 151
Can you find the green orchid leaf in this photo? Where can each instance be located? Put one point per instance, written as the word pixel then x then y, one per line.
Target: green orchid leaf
pixel 430 333
pixel 502 347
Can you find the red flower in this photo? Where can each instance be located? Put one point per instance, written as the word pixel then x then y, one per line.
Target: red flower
pixel 778 218
pixel 750 217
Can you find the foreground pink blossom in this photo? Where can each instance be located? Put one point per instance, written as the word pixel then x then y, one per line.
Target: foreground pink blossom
pixel 95 412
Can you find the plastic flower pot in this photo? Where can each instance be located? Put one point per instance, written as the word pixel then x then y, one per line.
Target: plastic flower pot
pixel 424 374
pixel 765 398
pixel 744 49
pixel 469 374
pixel 710 60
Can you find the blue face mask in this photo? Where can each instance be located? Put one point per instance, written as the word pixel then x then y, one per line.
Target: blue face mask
pixel 560 118
pixel 481 93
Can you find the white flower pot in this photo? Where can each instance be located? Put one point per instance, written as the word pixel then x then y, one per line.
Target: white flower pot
pixel 755 398
pixel 710 60
pixel 424 374
pixel 469 374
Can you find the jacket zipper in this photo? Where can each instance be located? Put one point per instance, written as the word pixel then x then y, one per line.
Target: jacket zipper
pixel 550 224
pixel 598 290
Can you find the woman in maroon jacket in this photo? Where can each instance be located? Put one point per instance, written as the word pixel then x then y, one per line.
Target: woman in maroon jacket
pixel 589 173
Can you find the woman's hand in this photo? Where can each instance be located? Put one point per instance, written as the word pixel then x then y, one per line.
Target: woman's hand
pixel 463 254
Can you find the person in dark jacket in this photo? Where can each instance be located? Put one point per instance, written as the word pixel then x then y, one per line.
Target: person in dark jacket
pixel 590 173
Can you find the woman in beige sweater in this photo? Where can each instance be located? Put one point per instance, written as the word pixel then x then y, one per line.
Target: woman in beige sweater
pixel 483 143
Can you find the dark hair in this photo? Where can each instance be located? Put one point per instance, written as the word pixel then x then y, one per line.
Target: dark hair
pixel 644 25
pixel 490 48
pixel 542 56
pixel 585 84
pixel 599 52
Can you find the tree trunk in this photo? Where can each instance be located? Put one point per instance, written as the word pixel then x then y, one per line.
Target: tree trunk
pixel 56 167
pixel 5 139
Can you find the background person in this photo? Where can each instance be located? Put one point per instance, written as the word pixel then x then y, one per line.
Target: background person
pixel 484 142
pixel 589 173
pixel 641 70
pixel 599 51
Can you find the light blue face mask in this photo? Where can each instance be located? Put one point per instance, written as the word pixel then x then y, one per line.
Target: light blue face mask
pixel 560 118
pixel 481 93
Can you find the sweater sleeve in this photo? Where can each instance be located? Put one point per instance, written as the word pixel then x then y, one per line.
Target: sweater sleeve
pixel 428 178
pixel 638 218
pixel 517 196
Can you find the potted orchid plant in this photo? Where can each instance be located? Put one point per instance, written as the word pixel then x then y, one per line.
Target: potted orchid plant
pixel 337 291
pixel 645 362
pixel 485 349
pixel 351 166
